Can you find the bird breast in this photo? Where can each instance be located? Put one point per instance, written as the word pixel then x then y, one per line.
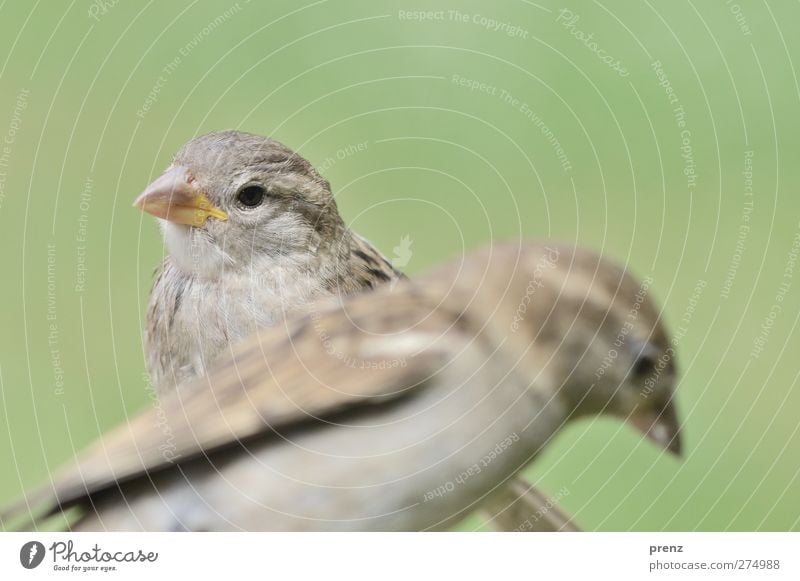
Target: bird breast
pixel 192 320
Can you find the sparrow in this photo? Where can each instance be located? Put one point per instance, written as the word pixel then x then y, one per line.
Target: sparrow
pixel 404 408
pixel 253 234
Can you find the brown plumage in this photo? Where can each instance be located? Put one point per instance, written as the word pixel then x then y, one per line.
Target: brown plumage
pixel 353 416
pixel 242 267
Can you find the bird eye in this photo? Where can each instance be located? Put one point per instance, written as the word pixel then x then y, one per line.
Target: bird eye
pixel 250 196
pixel 643 366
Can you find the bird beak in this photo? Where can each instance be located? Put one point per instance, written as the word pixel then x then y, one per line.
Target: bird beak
pixel 174 197
pixel 659 423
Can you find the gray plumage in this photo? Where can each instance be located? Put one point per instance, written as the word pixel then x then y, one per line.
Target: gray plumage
pixel 225 279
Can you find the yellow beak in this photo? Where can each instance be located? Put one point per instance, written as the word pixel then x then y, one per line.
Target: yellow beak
pixel 174 197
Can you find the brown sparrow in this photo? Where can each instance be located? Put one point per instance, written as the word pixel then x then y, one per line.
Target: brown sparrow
pixel 252 233
pixel 403 409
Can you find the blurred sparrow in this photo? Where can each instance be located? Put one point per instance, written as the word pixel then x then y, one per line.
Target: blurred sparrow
pixel 252 233
pixel 403 409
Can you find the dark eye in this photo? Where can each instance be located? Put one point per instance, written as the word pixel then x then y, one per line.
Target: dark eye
pixel 644 366
pixel 251 196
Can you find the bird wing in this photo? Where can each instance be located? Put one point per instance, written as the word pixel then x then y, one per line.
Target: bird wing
pixel 322 364
pixel 370 267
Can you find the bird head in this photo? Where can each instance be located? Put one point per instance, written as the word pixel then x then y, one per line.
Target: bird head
pixel 620 359
pixel 230 198
pixel 590 327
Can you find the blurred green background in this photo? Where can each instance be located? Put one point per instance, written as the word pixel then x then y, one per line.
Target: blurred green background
pixel 665 134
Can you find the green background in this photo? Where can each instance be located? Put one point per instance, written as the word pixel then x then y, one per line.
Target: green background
pixel 448 166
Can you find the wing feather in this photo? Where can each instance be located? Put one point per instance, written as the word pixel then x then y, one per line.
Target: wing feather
pixel 308 370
